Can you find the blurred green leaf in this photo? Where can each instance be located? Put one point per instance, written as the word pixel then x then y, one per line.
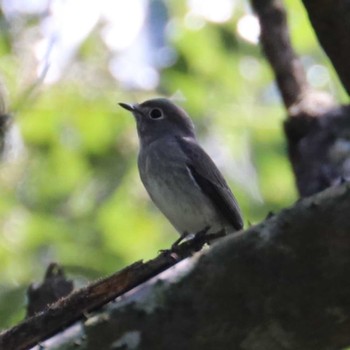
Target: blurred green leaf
pixel 74 195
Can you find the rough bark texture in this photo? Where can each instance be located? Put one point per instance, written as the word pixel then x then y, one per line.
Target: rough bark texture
pixel 53 307
pixel 331 21
pixel 54 287
pixel 317 131
pixel 283 284
pixel 319 149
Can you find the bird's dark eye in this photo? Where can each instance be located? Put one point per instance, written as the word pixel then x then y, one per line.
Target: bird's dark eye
pixel 155 113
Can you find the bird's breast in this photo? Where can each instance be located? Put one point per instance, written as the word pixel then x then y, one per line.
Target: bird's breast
pixel 168 181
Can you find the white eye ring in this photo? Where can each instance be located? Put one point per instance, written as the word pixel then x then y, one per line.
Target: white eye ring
pixel 155 113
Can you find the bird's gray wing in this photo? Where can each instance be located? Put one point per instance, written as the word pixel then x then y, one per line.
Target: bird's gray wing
pixel 211 181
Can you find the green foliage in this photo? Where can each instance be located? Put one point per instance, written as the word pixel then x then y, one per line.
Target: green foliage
pixel 74 195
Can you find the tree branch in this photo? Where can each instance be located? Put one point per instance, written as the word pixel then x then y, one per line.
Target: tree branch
pixel 316 129
pixel 283 284
pixel 75 306
pixel 298 97
pixel 330 20
pixel 275 41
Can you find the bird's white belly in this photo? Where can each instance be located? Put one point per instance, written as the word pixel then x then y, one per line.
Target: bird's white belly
pixel 183 203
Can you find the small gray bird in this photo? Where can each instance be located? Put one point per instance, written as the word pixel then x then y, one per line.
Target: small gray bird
pixel 179 176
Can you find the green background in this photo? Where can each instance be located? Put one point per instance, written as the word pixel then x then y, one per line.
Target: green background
pixel 74 195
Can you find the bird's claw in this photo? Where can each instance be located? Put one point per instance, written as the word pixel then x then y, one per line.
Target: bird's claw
pixel 200 234
pixel 179 240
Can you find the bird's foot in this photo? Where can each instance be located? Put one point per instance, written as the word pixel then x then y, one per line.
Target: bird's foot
pixel 199 239
pixel 198 236
pixel 201 234
pixel 175 245
pixel 183 236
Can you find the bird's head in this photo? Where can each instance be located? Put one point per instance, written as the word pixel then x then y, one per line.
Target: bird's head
pixel 160 117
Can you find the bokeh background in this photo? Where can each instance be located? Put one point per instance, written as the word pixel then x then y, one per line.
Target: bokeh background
pixel 70 190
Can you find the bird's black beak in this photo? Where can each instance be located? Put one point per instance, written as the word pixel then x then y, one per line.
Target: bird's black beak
pixel 127 106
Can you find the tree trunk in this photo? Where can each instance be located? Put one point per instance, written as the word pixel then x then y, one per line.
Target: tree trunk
pixel 283 284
